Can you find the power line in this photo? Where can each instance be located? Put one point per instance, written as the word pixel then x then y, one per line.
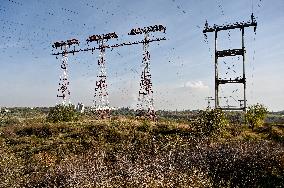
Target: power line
pixel 101 104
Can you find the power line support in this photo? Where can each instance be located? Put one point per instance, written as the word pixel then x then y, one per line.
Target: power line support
pixel 145 106
pixel 101 103
pixel 230 52
pixel 63 90
pixel 209 99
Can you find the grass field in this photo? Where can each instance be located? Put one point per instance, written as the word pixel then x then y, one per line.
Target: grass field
pixel 126 152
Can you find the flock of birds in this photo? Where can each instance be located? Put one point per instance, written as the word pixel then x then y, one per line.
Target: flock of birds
pixel 34 37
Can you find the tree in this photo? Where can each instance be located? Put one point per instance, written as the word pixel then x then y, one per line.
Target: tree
pixel 61 113
pixel 255 115
pixel 211 122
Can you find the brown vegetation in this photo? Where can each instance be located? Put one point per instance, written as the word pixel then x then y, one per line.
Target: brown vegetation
pixel 125 152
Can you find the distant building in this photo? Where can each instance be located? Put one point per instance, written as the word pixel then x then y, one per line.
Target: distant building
pixel 4 110
pixel 80 107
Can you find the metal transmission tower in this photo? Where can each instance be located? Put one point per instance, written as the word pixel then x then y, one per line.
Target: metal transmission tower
pixel 209 99
pixel 101 102
pixel 227 53
pixel 145 100
pixel 63 89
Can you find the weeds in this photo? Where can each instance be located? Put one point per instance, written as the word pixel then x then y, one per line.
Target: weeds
pixel 131 153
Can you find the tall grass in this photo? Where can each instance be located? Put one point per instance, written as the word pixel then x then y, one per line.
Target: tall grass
pixel 132 153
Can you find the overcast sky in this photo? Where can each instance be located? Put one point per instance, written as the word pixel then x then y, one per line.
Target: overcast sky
pixel 182 67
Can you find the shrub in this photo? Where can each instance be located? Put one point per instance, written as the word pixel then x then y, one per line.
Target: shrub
pixel 8 120
pixel 255 115
pixel 211 122
pixel 39 131
pixel 144 127
pixel 62 113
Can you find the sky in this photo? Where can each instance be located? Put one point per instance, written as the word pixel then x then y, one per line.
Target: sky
pixel 182 67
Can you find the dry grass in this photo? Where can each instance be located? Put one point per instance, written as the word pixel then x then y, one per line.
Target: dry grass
pixel 125 152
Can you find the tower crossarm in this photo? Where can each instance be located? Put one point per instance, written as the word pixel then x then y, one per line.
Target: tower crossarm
pixel 109 46
pixel 229 27
pixel 231 108
pixel 98 38
pixel 145 30
pixel 237 25
pixel 230 52
pixel 226 81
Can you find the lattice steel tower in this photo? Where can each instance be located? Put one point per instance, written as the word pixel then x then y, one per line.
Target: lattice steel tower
pixel 63 90
pixel 101 103
pixel 145 106
pixel 145 99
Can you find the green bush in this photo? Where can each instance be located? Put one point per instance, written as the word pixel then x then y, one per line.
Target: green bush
pixel 144 127
pixel 255 115
pixel 211 122
pixel 62 113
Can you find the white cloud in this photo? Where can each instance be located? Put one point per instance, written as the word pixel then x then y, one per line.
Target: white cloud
pixel 196 85
pixel 180 97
